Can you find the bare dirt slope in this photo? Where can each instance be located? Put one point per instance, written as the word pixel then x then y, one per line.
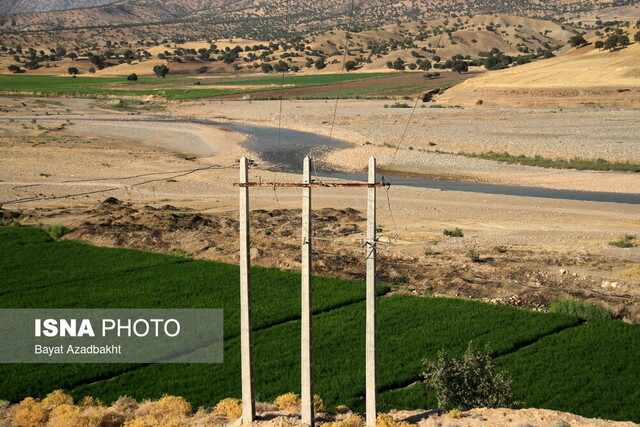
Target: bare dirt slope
pixel 581 77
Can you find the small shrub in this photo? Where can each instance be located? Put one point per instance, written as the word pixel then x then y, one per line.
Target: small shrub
pixel 4 405
pixel 351 421
pixel 473 256
pixel 318 404
pixel 580 308
pixel 56 231
pixel 625 242
pixel 174 405
pixel 90 401
pixel 453 414
pixel 469 382
pixel 288 402
pixel 30 413
pixel 65 415
pixel 400 105
pixel 229 408
pixel 125 405
pixel 57 397
pixel 341 409
pixel 453 233
pixel 386 420
pixel 561 424
pixel 500 249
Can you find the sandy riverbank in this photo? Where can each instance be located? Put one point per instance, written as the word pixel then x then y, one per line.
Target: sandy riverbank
pixel 587 133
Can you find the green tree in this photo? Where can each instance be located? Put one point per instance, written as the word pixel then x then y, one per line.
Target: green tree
pixel 459 66
pixel 469 382
pixel 351 65
pixel 320 63
pixel 14 68
pixel 132 77
pixel 636 38
pixel 161 70
pixel 577 41
pixel 73 71
pixel 266 68
pixel 281 67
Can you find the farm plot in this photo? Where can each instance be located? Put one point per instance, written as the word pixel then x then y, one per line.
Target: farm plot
pixel 556 361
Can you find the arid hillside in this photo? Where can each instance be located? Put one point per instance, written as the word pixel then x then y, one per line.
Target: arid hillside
pixel 266 19
pixel 29 6
pixel 582 76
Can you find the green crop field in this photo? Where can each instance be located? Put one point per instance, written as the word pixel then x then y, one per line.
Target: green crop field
pixel 119 86
pixel 301 81
pixel 556 361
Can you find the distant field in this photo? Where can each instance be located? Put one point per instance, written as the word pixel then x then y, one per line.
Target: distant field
pixel 171 88
pixel 348 85
pixel 556 361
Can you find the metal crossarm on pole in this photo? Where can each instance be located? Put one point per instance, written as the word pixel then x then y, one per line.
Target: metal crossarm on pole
pixel 306 356
pixel 312 184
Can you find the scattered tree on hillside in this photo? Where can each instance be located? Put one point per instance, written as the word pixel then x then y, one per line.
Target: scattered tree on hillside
pixel 320 63
pixel 636 38
pixel 616 40
pixel 577 41
pixel 133 77
pixel 92 70
pixel 351 65
pixel 266 68
pixel 73 71
pixel 161 70
pixel 14 68
pixel 459 66
pixel 599 44
pixel 281 67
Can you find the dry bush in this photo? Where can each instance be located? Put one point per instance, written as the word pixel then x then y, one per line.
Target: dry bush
pixel 167 405
pixel 29 413
pixel 386 420
pixel 151 421
pixel 125 405
pixel 90 401
pixel 318 404
pixel 351 421
pixel 341 409
pixel 57 397
pixel 288 402
pixel 66 415
pixel 229 408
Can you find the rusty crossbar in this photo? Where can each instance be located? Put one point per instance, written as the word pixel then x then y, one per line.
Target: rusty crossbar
pixel 313 184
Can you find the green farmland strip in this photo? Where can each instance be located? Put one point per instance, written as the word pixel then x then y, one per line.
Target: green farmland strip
pixel 409 329
pixel 82 276
pixel 301 81
pixel 555 361
pixel 593 370
pixel 11 237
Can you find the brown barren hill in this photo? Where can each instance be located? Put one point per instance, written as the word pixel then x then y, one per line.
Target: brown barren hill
pixel 581 77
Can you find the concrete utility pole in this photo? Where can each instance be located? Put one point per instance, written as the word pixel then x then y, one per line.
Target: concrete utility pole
pixel 371 401
pixel 306 357
pixel 306 344
pixel 246 340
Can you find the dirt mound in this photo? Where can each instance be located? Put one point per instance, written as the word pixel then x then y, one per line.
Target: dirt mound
pixel 517 276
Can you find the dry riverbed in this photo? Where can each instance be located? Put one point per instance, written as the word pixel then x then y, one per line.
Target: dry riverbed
pixel 515 250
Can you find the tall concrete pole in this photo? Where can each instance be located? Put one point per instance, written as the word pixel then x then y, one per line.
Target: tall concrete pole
pixel 306 344
pixel 371 401
pixel 246 340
